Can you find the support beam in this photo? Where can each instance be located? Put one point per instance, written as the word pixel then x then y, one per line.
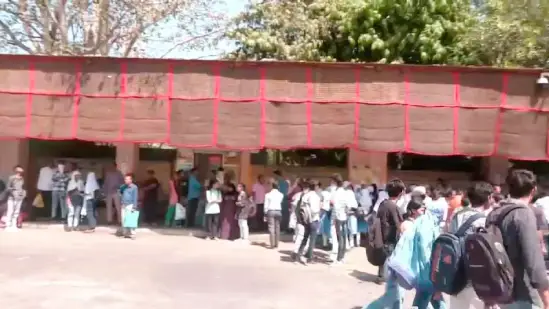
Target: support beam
pixel 495 169
pixel 14 152
pixel 367 166
pixel 245 169
pixel 127 157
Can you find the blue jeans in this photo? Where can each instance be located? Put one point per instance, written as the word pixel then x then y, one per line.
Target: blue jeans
pixel 73 218
pixel 59 198
pixel 393 297
pixel 90 214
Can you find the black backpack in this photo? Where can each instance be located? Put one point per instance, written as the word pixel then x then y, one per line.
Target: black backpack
pixel 487 263
pixel 303 214
pixel 447 259
pixel 375 249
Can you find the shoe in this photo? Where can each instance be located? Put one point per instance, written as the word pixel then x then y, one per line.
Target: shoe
pixel 11 229
pixel 67 229
pixel 303 261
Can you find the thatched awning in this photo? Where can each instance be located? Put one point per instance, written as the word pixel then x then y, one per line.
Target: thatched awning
pixel 251 105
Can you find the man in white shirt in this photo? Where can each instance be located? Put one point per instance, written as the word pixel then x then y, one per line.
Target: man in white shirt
pixel 440 204
pixel 45 186
pixel 342 200
pixel 273 212
pixel 311 203
pixel 480 197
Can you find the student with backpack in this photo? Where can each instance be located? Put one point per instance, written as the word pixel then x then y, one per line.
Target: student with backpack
pixel 383 227
pixel 504 261
pixel 308 214
pixel 342 200
pixel 451 278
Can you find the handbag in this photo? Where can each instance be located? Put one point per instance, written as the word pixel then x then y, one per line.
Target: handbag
pixel 131 219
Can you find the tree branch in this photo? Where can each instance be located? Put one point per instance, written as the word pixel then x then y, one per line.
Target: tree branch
pixel 190 40
pixel 14 40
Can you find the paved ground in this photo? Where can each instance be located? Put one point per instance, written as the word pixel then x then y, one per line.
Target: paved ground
pixel 48 268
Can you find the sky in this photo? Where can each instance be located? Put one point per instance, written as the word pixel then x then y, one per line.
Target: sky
pixel 232 8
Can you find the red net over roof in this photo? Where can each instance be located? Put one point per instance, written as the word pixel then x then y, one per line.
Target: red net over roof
pixel 245 106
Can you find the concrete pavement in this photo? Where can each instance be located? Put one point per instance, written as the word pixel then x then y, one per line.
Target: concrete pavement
pixel 48 268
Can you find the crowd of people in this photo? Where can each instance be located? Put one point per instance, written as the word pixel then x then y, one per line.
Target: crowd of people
pixel 484 247
pixel 481 247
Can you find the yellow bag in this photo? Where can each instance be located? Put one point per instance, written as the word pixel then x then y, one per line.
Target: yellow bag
pixel 38 201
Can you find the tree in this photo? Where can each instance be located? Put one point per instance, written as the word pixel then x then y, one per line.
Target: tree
pixel 403 31
pixel 510 33
pixel 106 27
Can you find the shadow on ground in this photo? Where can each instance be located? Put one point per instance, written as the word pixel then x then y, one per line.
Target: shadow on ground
pixel 318 257
pixel 363 276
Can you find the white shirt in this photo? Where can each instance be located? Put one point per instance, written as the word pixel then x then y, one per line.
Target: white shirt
pixel 312 200
pixel 273 200
pixel 402 202
pixel 439 208
pixel 326 200
pixel 364 198
pixel 382 196
pixel 45 182
pixel 543 203
pixel 343 200
pixel 213 198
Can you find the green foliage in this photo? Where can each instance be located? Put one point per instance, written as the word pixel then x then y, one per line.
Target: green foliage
pixel 510 33
pixel 389 31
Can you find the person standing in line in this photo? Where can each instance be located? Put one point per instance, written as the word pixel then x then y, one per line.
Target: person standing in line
pixel 111 186
pixel 258 189
pixel 45 186
pixel 343 200
pixel 16 195
pixel 246 209
pixel 129 195
pixel 297 225
pixel 60 180
pixel 390 219
pixel 173 200
pixel 195 190
pixel 213 209
pixel 312 202
pixel 273 212
pixel 150 197
pixel 229 224
pixel 283 186
pixel 91 192
pixel 75 200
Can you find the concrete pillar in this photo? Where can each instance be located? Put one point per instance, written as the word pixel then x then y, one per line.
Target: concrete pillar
pixel 245 166
pixel 367 166
pixel 127 157
pixel 495 169
pixel 14 152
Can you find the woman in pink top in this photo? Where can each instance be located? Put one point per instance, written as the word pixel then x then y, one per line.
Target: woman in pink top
pixel 256 222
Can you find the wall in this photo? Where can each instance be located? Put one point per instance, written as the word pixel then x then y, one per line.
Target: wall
pixel 455 179
pixel 320 173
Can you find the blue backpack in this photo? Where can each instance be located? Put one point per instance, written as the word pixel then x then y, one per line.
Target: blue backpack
pixel 448 273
